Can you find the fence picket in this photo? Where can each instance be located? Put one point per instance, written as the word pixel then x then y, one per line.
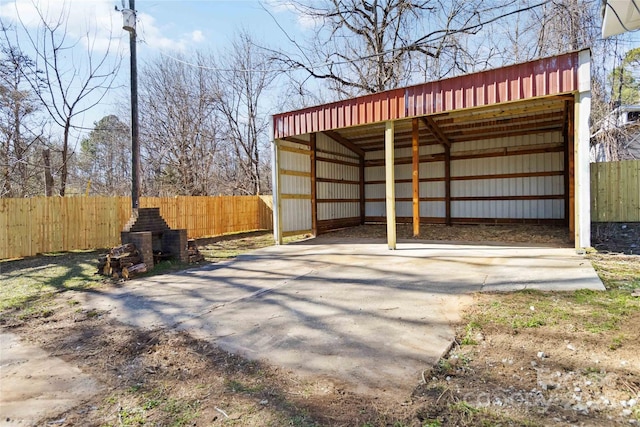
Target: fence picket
pixel 52 224
pixel 615 191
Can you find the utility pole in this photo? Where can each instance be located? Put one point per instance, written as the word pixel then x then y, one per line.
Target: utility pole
pixel 129 17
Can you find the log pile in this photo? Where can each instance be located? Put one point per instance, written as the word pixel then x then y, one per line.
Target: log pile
pixel 122 262
pixel 193 252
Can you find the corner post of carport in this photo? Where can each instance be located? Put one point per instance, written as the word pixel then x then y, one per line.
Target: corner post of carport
pixel 275 180
pixel 415 175
pixel 390 183
pixel 314 188
pixel 582 111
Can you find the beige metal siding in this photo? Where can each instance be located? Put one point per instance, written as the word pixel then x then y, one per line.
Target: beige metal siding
pixel 295 188
pixel 543 187
pixel 335 210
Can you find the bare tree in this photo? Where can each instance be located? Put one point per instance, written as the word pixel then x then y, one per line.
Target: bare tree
pixel 19 128
pixel 362 46
pixel 243 78
pixel 66 85
pixel 179 129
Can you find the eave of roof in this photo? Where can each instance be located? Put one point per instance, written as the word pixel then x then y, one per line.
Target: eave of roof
pixel 620 16
pixel 533 80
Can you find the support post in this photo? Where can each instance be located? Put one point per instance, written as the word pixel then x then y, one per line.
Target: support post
pixel 447 185
pixel 277 206
pixel 581 152
pixel 314 190
pixel 362 196
pixel 415 175
pixel 571 173
pixel 390 183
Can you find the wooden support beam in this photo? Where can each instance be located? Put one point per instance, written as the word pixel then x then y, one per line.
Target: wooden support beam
pixel 314 195
pixel 565 140
pixel 447 184
pixel 415 176
pixel 436 131
pixel 296 140
pixel 571 170
pixel 344 142
pixel 336 161
pixel 361 192
pixel 389 156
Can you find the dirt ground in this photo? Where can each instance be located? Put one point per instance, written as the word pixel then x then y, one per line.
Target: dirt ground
pixel 527 358
pixel 620 237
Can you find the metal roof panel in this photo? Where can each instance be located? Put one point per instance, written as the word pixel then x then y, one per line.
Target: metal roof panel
pixel 534 79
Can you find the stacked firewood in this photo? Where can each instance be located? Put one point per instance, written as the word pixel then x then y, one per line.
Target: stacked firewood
pixel 122 262
pixel 193 252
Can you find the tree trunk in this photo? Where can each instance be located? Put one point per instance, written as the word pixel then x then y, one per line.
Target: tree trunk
pixel 65 154
pixel 48 178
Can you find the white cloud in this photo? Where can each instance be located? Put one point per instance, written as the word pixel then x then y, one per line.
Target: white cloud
pixel 96 23
pixel 285 7
pixel 197 36
pixel 156 36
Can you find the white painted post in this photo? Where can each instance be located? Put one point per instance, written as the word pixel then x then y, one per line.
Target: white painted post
pixel 390 183
pixel 581 152
pixel 277 223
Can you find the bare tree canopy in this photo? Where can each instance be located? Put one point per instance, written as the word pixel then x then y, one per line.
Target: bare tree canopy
pixel 179 128
pixel 244 75
pixel 551 28
pixel 67 86
pixel 20 128
pixel 365 46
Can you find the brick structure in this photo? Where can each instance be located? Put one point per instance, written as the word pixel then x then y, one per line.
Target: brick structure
pixel 174 243
pixel 143 242
pixel 147 224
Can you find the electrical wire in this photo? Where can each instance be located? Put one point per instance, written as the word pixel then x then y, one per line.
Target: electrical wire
pixel 607 4
pixel 418 43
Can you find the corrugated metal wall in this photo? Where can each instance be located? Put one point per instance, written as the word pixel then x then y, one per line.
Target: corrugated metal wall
pixel 336 200
pixel 526 197
pixel 486 183
pixel 295 187
pixel 520 197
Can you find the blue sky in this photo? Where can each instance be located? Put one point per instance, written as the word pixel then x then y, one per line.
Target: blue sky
pixel 164 26
pixel 168 26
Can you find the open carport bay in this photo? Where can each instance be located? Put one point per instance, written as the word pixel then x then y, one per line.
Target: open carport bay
pixel 350 311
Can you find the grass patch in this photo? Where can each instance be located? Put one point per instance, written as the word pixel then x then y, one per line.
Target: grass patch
pixel 230 246
pixel 596 312
pixel 239 387
pixel 182 412
pixel 30 282
pixel 617 272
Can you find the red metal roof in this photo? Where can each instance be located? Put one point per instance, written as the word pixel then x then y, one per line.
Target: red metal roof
pixel 542 77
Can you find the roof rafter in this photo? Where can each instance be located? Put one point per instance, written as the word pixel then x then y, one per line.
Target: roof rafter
pixel 344 142
pixel 435 130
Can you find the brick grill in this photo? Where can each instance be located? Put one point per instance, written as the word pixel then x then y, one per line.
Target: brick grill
pixel 148 230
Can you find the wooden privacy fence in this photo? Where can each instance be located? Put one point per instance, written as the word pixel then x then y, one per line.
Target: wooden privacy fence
pixel 615 191
pixel 54 224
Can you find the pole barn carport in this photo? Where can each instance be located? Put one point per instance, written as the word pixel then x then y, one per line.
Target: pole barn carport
pixel 509 145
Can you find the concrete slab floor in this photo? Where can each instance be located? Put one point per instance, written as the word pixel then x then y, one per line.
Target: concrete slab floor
pixel 351 312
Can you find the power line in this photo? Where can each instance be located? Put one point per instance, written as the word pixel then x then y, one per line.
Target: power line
pixel 418 43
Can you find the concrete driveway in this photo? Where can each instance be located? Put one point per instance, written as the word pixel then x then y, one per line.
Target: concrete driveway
pixel 352 312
